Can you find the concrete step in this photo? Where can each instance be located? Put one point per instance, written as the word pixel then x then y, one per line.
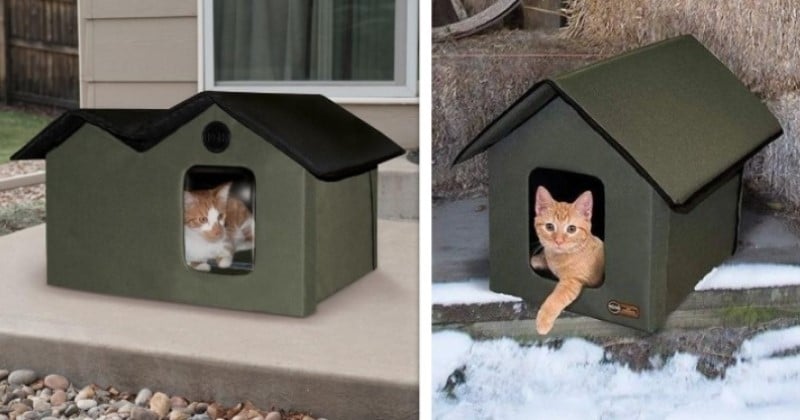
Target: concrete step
pixel 398 189
pixel 702 309
pixel 356 357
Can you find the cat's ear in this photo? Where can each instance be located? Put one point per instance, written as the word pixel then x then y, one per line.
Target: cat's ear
pixel 543 200
pixel 188 198
pixel 584 204
pixel 222 191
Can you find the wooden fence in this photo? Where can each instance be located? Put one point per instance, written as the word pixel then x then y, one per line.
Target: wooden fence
pixel 39 52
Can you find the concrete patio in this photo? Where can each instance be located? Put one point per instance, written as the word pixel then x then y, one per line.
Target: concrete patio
pixel 355 358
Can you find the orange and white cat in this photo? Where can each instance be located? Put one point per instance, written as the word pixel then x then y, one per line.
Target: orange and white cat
pixel 215 227
pixel 571 252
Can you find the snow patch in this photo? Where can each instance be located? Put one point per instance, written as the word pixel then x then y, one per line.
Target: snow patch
pixel 750 276
pixel 444 363
pixel 467 292
pixel 770 342
pixel 507 380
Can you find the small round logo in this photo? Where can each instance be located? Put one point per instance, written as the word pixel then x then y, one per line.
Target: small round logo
pixel 216 137
pixel 614 307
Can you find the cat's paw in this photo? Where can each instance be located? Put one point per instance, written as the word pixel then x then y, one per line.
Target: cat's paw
pixel 225 262
pixel 202 267
pixel 544 323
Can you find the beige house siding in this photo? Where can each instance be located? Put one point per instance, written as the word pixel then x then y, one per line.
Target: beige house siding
pixel 143 54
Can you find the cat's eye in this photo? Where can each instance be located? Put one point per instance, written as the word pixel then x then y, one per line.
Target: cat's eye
pixel 571 229
pixel 550 227
pixel 203 219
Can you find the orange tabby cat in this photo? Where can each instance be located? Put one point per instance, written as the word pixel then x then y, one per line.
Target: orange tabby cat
pixel 216 226
pixel 571 252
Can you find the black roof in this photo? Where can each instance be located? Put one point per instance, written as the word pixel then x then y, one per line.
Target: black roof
pixel 671 109
pixel 327 140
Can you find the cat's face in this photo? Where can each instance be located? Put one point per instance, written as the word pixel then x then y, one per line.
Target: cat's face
pixel 560 226
pixel 204 211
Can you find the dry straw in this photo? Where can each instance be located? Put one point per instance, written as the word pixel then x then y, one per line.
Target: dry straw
pixel 758 40
pixel 474 80
pixel 775 171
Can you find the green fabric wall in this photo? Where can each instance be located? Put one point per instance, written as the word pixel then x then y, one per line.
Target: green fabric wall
pixel 701 240
pixel 557 138
pixel 344 234
pixel 115 220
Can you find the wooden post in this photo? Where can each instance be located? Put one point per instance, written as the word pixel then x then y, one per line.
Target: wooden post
pixel 3 52
pixel 542 14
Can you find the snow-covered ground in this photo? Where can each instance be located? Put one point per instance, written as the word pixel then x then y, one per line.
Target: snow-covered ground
pixel 750 276
pixel 738 276
pixel 505 380
pixel 466 292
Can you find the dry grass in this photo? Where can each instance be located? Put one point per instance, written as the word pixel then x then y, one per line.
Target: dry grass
pixel 474 80
pixel 475 6
pixel 758 41
pixel 774 173
pixel 16 217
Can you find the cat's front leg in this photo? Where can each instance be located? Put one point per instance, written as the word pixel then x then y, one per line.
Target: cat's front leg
pixel 226 258
pixel 200 266
pixel 566 292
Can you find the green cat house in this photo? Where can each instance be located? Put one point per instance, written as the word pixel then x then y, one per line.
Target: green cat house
pixel 116 181
pixel 660 136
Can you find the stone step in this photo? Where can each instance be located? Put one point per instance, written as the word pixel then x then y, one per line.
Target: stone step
pixel 702 309
pixel 398 189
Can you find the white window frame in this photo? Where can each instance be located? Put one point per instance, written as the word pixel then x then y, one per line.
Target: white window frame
pixel 406 56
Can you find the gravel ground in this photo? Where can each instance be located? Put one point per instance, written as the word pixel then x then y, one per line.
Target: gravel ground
pixel 26 396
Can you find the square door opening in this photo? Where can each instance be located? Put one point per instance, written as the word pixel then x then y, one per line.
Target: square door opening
pixel 564 186
pixel 219 219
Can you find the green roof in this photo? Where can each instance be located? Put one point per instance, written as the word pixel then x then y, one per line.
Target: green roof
pixel 674 111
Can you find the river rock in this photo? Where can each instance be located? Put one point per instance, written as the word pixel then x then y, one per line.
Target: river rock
pixel 22 377
pixel 30 415
pixel 39 404
pixel 178 415
pixel 87 393
pixel 200 408
pixel 59 397
pixel 71 410
pixel 86 404
pixel 141 413
pixel 143 397
pixel 178 402
pixel 214 410
pixel 273 415
pixel 125 408
pixel 159 403
pixel 54 381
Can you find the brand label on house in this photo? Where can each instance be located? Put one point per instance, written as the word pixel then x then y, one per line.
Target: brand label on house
pixel 623 309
